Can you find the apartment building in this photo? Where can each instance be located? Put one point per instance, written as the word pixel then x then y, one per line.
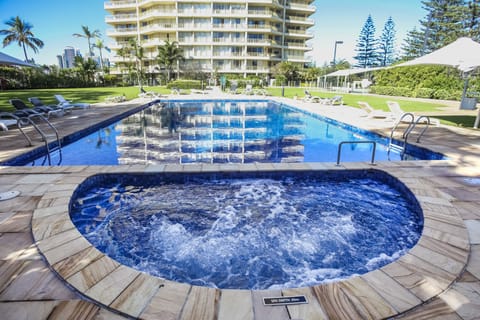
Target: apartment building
pixel 246 37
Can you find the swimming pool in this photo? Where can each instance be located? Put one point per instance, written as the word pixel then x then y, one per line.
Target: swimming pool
pixel 249 231
pixel 223 131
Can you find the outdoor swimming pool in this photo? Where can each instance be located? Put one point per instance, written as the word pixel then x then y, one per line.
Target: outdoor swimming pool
pixel 249 231
pixel 223 131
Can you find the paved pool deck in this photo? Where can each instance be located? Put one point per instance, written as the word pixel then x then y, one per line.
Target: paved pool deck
pixel 49 271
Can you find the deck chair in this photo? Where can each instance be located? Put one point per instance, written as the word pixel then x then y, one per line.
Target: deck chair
pixel 7 120
pixel 25 111
pixel 37 102
pixel 248 89
pixel 149 94
pixel 372 113
pixel 64 102
pixel 336 100
pixel 398 113
pixel 309 98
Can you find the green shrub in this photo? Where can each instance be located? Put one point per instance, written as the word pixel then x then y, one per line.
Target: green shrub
pixel 392 91
pixel 424 93
pixel 443 94
pixel 185 84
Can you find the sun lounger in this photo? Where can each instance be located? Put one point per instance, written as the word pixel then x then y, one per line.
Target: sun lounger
pixel 398 113
pixel 149 94
pixel 309 98
pixel 7 120
pixel 24 110
pixel 39 103
pixel 372 113
pixel 336 100
pixel 64 102
pixel 115 99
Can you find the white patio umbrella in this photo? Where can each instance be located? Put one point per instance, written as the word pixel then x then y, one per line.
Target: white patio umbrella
pixel 9 60
pixel 463 53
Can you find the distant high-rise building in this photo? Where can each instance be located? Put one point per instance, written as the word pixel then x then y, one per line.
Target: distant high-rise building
pixel 60 61
pixel 68 57
pixel 247 37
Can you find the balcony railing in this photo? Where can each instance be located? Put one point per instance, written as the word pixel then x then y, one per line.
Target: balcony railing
pixel 119 4
pixel 121 31
pixel 121 17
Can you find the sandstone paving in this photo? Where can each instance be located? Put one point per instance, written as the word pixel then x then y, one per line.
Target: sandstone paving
pixel 438 278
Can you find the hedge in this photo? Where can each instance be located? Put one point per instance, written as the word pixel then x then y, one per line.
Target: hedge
pixel 185 84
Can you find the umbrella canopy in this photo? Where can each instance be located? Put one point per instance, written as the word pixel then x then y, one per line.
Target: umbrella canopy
pixel 463 53
pixel 9 60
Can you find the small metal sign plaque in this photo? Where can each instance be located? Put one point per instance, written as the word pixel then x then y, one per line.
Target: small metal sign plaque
pixel 281 301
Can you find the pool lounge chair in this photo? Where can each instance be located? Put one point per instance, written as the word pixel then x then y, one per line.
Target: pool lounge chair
pixel 336 100
pixel 64 102
pixel 398 113
pixel 248 89
pixel 149 94
pixel 7 120
pixel 309 98
pixel 372 113
pixel 25 111
pixel 37 102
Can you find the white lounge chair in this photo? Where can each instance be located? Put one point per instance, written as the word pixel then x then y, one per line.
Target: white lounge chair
pixel 398 113
pixel 372 113
pixel 64 102
pixel 7 120
pixel 309 98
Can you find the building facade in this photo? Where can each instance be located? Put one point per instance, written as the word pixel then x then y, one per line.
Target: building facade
pixel 245 37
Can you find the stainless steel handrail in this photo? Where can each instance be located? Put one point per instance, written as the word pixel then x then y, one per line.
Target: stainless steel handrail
pixel 355 142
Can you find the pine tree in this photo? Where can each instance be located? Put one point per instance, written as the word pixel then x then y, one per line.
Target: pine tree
pixel 366 45
pixel 414 45
pixel 444 23
pixel 472 24
pixel 386 45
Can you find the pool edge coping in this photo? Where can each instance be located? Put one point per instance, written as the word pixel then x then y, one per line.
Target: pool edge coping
pixel 379 304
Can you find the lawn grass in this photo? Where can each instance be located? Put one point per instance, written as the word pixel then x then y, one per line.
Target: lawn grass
pixel 90 95
pixel 95 95
pixel 352 99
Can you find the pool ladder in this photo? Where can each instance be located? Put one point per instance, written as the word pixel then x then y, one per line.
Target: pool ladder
pixel 50 146
pixel 401 148
pixel 339 153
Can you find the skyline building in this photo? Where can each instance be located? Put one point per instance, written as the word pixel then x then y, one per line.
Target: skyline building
pixel 245 37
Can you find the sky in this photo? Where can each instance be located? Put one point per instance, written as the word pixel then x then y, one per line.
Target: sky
pixel 55 21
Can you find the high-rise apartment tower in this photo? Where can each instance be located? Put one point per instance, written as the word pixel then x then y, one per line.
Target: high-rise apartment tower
pixel 246 37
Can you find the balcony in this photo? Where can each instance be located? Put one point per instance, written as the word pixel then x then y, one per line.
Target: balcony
pixel 121 18
pixel 158 13
pixel 259 41
pixel 159 27
pixel 229 26
pixel 228 40
pixel 122 32
pixel 301 7
pixel 119 4
pixel 300 20
pixel 230 12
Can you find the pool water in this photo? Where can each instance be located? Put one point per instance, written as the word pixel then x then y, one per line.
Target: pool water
pixel 223 131
pixel 277 231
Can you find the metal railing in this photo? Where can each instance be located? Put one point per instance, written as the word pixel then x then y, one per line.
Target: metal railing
pixel 356 142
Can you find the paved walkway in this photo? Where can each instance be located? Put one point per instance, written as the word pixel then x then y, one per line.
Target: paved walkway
pixel 438 278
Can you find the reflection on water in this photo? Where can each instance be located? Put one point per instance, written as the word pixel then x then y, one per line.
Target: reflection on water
pixel 219 132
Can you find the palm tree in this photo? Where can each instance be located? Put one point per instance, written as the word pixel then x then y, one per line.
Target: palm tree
pixel 138 53
pixel 99 45
pixel 21 32
pixel 86 68
pixel 88 35
pixel 168 55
